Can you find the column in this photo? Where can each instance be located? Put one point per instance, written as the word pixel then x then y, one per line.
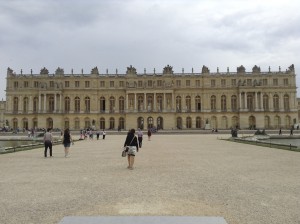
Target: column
pixel 126 102
pixel 55 102
pixel 270 102
pixel 256 101
pixel 45 97
pixel 30 106
pixel 164 105
pixel 60 101
pixel 20 109
pixel 173 102
pixel 261 101
pixel 154 98
pixel 145 103
pixel 40 101
pixel 135 103
pixel 240 101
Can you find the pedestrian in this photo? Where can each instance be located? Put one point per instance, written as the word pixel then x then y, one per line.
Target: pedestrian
pixel 48 139
pixel 292 129
pixel 133 147
pixel 98 133
pixel 280 132
pixel 140 137
pixel 149 134
pixel 103 134
pixel 67 140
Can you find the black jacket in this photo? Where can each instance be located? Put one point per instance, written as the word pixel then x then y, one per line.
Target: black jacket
pixel 134 142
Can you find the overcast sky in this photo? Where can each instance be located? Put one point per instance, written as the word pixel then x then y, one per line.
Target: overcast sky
pixel 114 34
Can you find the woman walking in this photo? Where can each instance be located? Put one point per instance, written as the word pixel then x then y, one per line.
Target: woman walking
pixel 149 134
pixel 133 147
pixel 140 137
pixel 48 139
pixel 67 139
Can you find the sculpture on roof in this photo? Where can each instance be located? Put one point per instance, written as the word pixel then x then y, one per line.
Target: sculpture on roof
pixel 44 71
pixel 205 69
pixel 168 70
pixel 10 71
pixel 241 69
pixel 256 69
pixel 95 71
pixel 59 71
pixel 131 70
pixel 291 68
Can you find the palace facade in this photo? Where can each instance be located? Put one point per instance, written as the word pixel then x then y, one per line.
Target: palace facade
pixel 167 100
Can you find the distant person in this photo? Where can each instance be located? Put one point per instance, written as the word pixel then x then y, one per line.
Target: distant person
pixel 133 147
pixel 292 130
pixel 98 134
pixel 67 140
pixel 280 132
pixel 48 139
pixel 149 134
pixel 140 137
pixel 103 134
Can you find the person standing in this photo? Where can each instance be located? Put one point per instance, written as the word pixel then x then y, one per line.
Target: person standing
pixel 149 134
pixel 133 147
pixel 103 134
pixel 140 137
pixel 48 139
pixel 67 140
pixel 97 133
pixel 280 132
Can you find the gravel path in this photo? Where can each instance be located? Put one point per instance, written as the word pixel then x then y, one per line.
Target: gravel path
pixel 180 175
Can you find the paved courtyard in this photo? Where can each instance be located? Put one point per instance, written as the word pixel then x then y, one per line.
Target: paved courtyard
pixel 174 175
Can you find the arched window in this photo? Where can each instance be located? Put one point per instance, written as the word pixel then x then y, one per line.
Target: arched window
pixel 286 102
pixel 121 123
pixel 150 122
pixel 266 102
pixel 198 122
pixel 87 104
pixel 16 104
pixel 25 106
pixel 102 104
pixel 77 104
pixel 179 122
pixel 288 121
pixel 235 122
pixel 111 123
pixel 188 104
pixel 224 123
pixel 121 104
pixel 250 102
pixel 140 103
pixel 111 104
pixel 67 104
pixel 234 103
pixel 213 103
pixel 277 122
pixel 198 103
pixel 102 123
pixel 188 122
pixel 25 123
pixel 159 104
pixel 267 122
pixel 77 123
pixel 149 103
pixel 276 102
pixel 35 104
pixel 87 122
pixel 15 123
pixel 223 103
pixel 67 123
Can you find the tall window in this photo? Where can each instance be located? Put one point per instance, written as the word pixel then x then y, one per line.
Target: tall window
pixel 16 84
pixel 25 84
pixel 178 83
pixel 213 103
pixel 25 104
pixel 87 84
pixel 265 82
pixel 234 103
pixel 197 83
pixel 67 104
pixel 67 84
pixel 159 103
pixel 286 81
pixel 111 104
pixel 198 122
pixel 77 123
pixel 233 82
pixel 159 83
pixel 266 102
pixel 121 104
pixel 111 123
pixel 250 102
pixel 121 123
pixel 102 123
pixel 275 82
pixel 102 83
pixel 223 103
pixel 121 83
pixel 276 102
pixel 149 103
pixel 198 103
pixel 87 104
pixel 188 122
pixel 35 104
pixel 36 84
pixel 111 84
pixel 77 84
pixel 77 104
pixel 212 83
pixel 149 83
pixel 102 104
pixel 51 84
pixel 187 83
pixel 178 103
pixel 223 82
pixel 286 102
pixel 188 103
pixel 51 104
pixel 140 103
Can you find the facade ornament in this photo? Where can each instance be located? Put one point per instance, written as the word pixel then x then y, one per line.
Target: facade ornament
pixel 241 69
pixel 227 69
pixel 116 71
pixel 154 70
pixel 269 69
pixel 21 71
pixel 72 71
pixel 168 70
pixel 279 69
pixel 95 71
pixel 145 71
pixel 44 71
pixel 182 70
pixel 131 70
pixel 205 69
pixel 82 71
pixel 107 71
pixel 59 71
pixel 291 68
pixel 31 71
pixel 217 69
pixel 10 71
pixel 192 70
pixel 256 69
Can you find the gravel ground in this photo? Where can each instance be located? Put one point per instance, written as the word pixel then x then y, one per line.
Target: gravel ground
pixel 177 175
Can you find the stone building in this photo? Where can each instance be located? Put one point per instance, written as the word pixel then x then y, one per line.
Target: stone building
pixel 166 100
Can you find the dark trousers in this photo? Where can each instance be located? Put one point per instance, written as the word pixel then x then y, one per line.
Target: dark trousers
pixel 103 136
pixel 140 141
pixel 48 144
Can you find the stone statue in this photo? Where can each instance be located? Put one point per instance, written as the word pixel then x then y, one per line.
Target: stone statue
pixel 131 70
pixel 205 69
pixel 10 71
pixel 59 71
pixel 241 69
pixel 95 71
pixel 168 70
pixel 44 71
pixel 256 69
pixel 291 68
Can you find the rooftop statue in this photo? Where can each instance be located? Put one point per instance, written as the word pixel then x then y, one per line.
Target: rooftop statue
pixel 291 68
pixel 205 69
pixel 131 70
pixel 168 70
pixel 44 71
pixel 241 69
pixel 10 71
pixel 59 71
pixel 256 69
pixel 95 71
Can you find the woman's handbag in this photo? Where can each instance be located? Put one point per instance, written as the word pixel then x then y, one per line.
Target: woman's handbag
pixel 124 152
